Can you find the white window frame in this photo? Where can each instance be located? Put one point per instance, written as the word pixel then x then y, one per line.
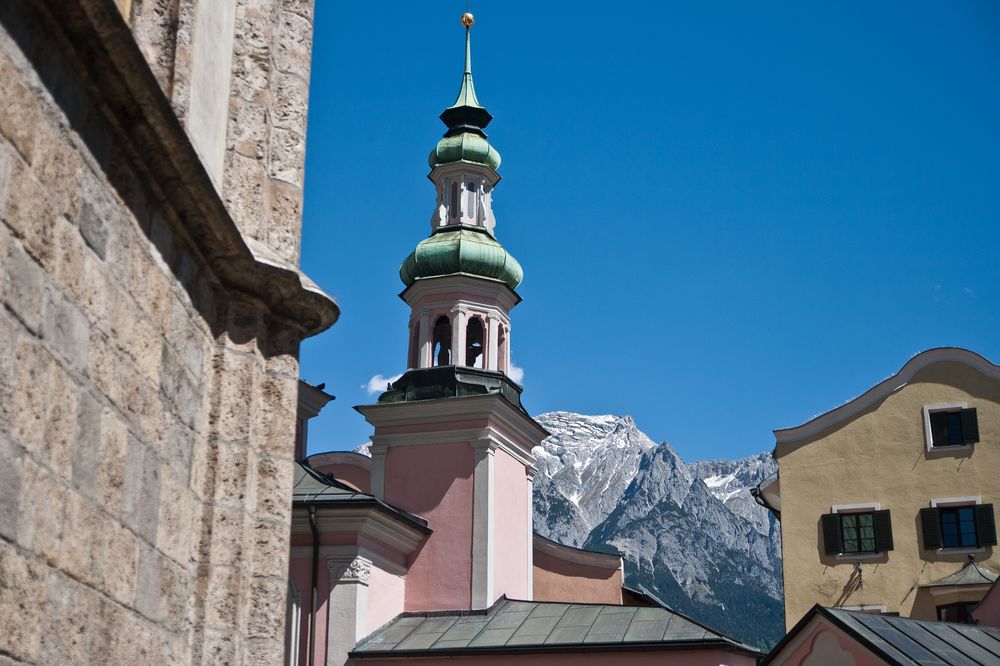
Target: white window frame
pixel 867 608
pixel 958 501
pixel 863 507
pixel 929 435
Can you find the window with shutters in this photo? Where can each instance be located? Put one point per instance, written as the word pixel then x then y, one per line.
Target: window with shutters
pixel 857 530
pixel 958 524
pixel 950 425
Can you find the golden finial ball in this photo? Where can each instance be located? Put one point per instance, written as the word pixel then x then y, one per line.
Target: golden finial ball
pixel 468 19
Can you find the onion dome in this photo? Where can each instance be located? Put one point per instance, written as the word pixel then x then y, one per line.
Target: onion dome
pixel 464 250
pixel 466 120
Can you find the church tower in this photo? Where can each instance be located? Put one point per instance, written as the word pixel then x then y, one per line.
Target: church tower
pixel 452 442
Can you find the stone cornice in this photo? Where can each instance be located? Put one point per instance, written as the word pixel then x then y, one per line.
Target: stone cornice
pixel 394 535
pixel 148 134
pixel 591 558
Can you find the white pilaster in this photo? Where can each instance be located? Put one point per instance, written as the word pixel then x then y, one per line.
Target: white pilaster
pixel 347 610
pixel 493 342
pixel 531 537
pixel 424 350
pixel 458 324
pixel 378 470
pixel 482 525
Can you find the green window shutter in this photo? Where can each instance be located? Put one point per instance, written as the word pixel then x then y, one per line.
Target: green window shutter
pixel 831 533
pixel 883 530
pixel 970 426
pixel 986 529
pixel 930 523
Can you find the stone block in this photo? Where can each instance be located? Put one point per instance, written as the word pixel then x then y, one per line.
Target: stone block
pixel 288 156
pixel 225 537
pixel 251 72
pixel 5 165
pixel 262 651
pixel 270 548
pixel 19 114
pixel 175 532
pixel 60 424
pixel 24 285
pixel 178 387
pixel 30 216
pixel 8 367
pixel 57 166
pixel 177 449
pixel 224 593
pixel 119 562
pixel 235 373
pixel 72 624
pixel 141 499
pixel 290 102
pixel 285 222
pixel 81 544
pixel 303 8
pixel 235 472
pixel 247 128
pixel 67 329
pixel 70 271
pixel 39 526
pixel 30 404
pixel 274 489
pixel 267 608
pixel 96 289
pixel 245 192
pixel 22 604
pixel 293 48
pixel 274 431
pixel 10 488
pixel 254 22
pixel 162 589
pixel 144 344
pixel 87 449
pixel 114 454
pixel 94 230
pixel 220 647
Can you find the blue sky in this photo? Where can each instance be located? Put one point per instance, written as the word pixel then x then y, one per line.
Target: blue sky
pixel 732 216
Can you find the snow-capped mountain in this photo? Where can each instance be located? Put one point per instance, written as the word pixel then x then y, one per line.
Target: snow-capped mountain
pixel 691 533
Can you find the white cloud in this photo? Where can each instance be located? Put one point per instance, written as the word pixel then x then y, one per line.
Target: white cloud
pixel 378 383
pixel 515 373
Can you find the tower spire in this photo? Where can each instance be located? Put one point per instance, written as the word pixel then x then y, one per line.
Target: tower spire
pixel 466 114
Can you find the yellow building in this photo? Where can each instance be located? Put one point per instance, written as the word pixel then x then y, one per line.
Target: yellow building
pixel 886 502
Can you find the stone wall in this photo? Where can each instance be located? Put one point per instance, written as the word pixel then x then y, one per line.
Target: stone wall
pixel 148 368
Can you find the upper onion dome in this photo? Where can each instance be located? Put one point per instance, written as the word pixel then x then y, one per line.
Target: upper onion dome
pixel 466 146
pixel 464 250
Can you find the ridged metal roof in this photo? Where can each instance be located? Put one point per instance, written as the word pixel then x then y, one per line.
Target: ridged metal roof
pixel 534 626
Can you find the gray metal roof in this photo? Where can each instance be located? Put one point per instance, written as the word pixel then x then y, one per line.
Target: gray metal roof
pixel 314 488
pixel 901 640
pixel 533 626
pixel 970 574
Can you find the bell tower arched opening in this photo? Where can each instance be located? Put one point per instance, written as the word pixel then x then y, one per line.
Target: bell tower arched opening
pixel 441 348
pixel 474 343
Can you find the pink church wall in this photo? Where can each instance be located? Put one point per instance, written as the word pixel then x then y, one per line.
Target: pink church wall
pixel 511 527
pixel 435 482
pixel 595 658
pixel 300 569
pixel 352 475
pixel 385 597
pixel 988 611
pixel 816 644
pixel 558 580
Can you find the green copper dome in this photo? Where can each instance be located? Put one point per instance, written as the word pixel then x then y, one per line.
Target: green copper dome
pixel 461 251
pixel 465 146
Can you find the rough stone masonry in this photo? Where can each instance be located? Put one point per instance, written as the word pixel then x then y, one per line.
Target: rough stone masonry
pixel 151 171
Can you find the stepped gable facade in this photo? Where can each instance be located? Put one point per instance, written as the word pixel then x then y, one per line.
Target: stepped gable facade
pixel 151 172
pixel 426 550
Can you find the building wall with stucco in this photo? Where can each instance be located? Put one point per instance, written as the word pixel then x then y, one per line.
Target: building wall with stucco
pixel 151 321
pixel 880 456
